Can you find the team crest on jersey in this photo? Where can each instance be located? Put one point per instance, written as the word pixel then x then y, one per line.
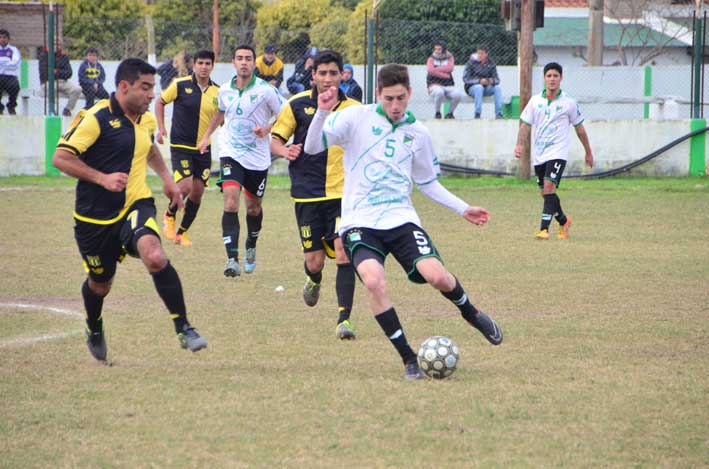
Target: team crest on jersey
pixel 188 90
pixel 309 111
pixel 115 123
pixel 354 236
pixel 558 107
pixel 408 140
pixel 254 98
pixel 376 130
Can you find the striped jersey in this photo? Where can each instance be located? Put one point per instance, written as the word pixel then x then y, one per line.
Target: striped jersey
pixel 382 161
pixel 254 106
pixel 551 120
pixel 192 112
pixel 108 141
pixel 316 177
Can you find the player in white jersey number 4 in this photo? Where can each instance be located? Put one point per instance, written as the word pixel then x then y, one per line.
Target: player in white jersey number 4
pixel 552 113
pixel 386 152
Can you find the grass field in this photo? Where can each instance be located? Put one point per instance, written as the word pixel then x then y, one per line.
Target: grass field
pixel 604 362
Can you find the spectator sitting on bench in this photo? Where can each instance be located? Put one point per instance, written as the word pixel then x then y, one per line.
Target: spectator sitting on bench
pixel 62 73
pixel 480 79
pixel 439 79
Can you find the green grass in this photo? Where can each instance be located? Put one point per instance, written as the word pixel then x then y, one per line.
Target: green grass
pixel 604 362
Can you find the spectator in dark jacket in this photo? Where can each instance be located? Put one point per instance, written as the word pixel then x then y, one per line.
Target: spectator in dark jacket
pixel 303 73
pixel 91 78
pixel 480 79
pixel 62 74
pixel 348 85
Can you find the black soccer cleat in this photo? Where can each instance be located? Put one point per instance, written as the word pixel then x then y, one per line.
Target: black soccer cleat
pixel 488 327
pixel 190 339
pixel 96 343
pixel 412 371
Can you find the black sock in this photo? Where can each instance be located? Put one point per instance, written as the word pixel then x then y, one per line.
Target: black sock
pixel 171 210
pixel 316 277
pixel 93 304
pixel 253 225
pixel 344 287
pixel 191 210
pixel 389 322
pixel 458 297
pixel 230 234
pixel 168 285
pixel 560 216
pixel 548 211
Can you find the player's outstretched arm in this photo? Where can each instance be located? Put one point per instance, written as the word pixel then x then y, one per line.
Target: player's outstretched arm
pixel 217 120
pixel 172 191
pixel 68 163
pixel 583 137
pixel 522 138
pixel 476 215
pixel 435 191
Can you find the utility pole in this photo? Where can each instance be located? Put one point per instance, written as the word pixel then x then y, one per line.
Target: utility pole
pixel 526 60
pixel 215 29
pixel 595 32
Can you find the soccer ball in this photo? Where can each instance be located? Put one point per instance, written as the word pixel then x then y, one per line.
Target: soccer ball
pixel 438 356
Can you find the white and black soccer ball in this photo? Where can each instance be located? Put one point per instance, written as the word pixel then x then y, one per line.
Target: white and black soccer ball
pixel 438 356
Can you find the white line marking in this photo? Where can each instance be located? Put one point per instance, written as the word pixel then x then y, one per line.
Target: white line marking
pixel 21 341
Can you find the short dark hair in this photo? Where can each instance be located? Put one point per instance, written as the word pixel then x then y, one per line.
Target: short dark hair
pixel 484 47
pixel 327 56
pixel 91 50
pixel 204 54
pixel 4 32
pixel 392 75
pixel 553 66
pixel 245 47
pixel 131 69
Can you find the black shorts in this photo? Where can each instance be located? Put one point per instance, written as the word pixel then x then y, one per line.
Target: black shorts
pixel 103 246
pixel 251 181
pixel 407 243
pixel 187 163
pixel 551 170
pixel 318 223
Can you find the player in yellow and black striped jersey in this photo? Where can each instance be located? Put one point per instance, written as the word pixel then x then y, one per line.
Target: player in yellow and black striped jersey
pixel 317 182
pixel 108 149
pixel 195 103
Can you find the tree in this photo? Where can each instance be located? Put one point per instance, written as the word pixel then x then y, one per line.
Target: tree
pixel 187 24
pixel 115 27
pixel 332 31
pixel 288 23
pixel 646 29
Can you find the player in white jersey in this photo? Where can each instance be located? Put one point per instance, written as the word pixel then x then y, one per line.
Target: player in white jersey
pixel 246 106
pixel 552 113
pixel 386 152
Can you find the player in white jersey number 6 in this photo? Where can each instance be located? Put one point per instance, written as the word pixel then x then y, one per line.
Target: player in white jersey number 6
pixel 386 151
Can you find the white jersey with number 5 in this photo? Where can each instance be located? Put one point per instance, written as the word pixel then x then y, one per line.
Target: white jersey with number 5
pixel 382 160
pixel 552 121
pixel 243 110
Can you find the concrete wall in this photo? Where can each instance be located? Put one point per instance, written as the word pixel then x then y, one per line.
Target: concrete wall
pixel 580 82
pixel 487 144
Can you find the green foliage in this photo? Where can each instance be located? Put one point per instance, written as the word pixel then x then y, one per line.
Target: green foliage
pixel 460 11
pixel 349 4
pixel 356 47
pixel 288 23
pixel 187 24
pixel 410 42
pixel 332 31
pixel 113 26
